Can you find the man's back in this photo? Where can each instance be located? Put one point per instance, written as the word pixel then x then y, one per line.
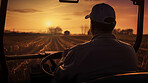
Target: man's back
pixel 103 54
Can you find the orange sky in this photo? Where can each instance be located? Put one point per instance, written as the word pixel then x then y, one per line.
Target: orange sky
pixel 38 15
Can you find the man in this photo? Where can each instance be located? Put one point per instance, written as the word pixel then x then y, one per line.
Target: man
pixel 104 54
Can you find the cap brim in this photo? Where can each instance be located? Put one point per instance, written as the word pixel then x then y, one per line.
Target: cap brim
pixel 87 16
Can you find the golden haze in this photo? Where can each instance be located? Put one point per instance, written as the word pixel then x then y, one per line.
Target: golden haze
pixel 38 15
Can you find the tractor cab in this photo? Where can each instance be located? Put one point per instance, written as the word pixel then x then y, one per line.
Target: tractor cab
pixel 43 69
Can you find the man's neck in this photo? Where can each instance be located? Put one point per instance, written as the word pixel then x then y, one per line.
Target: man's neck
pixel 101 33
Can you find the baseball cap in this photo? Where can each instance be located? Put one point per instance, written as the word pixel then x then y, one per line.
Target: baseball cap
pixel 101 13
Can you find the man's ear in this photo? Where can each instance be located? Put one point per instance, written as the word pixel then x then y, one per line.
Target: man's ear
pixel 114 24
pixel 92 29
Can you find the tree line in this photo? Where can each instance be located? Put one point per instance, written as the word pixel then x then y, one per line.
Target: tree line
pixel 119 31
pixel 123 31
pixel 57 31
pixel 51 31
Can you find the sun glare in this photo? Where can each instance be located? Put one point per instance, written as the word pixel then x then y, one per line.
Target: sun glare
pixel 48 24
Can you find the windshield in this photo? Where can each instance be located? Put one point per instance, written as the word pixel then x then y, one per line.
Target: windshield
pixel 54 18
pixel 35 26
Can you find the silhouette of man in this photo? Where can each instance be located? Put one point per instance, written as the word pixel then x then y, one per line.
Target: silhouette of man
pixel 104 54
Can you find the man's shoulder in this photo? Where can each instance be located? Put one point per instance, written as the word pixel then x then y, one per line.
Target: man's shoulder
pixel 125 45
pixel 82 45
pixel 91 43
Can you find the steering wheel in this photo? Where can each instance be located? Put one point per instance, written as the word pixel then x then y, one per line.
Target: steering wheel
pixel 50 57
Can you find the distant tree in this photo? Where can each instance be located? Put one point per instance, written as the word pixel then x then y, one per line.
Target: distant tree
pixel 7 31
pixel 66 32
pixel 116 31
pixel 84 29
pixel 123 31
pixel 51 30
pixel 127 31
pixel 58 30
pixel 55 31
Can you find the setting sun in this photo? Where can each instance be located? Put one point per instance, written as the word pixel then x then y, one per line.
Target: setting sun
pixel 48 24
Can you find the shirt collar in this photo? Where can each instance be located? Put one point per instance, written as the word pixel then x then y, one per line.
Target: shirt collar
pixel 104 35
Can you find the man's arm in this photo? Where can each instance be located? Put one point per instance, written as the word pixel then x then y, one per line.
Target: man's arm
pixel 67 69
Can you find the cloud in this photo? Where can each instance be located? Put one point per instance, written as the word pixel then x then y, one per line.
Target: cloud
pixel 24 10
pixel 67 18
pixel 82 13
pixel 92 0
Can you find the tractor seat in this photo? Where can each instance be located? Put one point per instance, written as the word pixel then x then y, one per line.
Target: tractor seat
pixel 137 77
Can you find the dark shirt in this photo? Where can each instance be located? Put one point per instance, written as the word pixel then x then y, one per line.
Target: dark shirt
pixel 103 54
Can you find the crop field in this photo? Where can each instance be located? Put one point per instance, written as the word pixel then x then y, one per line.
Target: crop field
pixel 31 44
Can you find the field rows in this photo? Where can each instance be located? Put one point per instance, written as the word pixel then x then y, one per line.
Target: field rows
pixel 30 46
pixel 19 69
